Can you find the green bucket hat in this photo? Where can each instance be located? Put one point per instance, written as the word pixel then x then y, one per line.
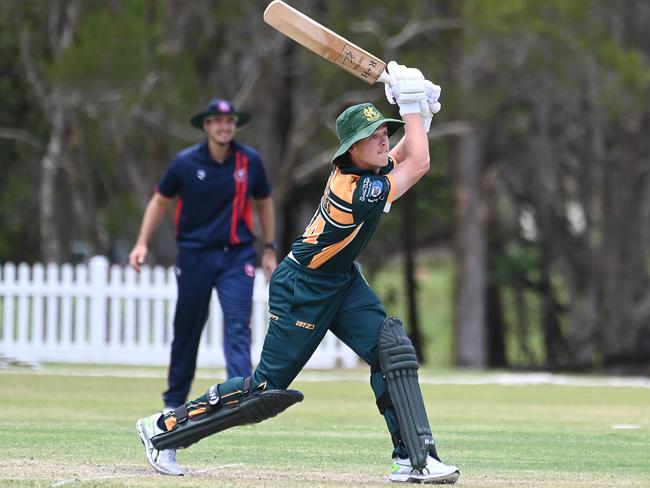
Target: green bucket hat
pixel 219 107
pixel 358 122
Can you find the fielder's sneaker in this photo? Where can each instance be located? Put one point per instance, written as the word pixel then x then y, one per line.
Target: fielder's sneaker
pixel 163 461
pixel 434 472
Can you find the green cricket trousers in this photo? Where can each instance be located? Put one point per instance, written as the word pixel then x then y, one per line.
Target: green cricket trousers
pixel 303 305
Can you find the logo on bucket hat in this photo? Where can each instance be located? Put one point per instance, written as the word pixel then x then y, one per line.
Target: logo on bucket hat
pixel 371 114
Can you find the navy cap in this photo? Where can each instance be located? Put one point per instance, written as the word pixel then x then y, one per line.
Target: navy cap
pixel 219 107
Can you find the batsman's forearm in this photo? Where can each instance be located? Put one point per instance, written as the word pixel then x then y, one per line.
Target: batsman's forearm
pixel 416 156
pixel 415 141
pixel 397 152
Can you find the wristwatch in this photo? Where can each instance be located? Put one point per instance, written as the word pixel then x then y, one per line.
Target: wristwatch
pixel 269 245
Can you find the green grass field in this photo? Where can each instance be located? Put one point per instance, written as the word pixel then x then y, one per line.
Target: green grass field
pixel 74 426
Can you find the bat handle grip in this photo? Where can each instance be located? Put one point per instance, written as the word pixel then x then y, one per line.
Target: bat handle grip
pixel 384 77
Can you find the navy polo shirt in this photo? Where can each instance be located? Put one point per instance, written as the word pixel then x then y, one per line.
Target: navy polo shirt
pixel 214 200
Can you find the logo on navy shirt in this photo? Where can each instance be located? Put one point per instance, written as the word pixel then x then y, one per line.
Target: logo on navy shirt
pixel 240 175
pixel 200 174
pixel 249 269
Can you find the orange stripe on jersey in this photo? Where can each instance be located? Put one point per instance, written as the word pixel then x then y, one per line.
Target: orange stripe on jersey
pixel 332 250
pixel 339 216
pixel 391 193
pixel 343 185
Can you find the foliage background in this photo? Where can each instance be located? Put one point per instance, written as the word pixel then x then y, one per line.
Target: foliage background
pixel 539 188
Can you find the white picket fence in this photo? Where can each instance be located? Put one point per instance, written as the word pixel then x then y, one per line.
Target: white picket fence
pixel 98 313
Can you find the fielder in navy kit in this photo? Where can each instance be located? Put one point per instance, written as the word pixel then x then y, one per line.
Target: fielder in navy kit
pixel 216 183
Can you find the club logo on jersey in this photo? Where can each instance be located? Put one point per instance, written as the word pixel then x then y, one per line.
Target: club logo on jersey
pixel 371 190
pixel 240 175
pixel 200 174
pixel 249 269
pixel 376 189
pixel 371 114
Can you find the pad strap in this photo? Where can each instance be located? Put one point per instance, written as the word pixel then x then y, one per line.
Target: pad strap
pixel 180 413
pixel 384 401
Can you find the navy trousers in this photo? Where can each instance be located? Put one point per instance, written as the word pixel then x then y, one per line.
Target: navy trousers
pixel 231 271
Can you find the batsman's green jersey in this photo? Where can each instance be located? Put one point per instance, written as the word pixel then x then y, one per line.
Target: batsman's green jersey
pixel 346 218
pixel 318 287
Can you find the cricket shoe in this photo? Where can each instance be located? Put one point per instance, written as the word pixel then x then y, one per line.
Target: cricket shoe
pixel 434 472
pixel 164 460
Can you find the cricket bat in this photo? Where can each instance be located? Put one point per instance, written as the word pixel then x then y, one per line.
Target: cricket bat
pixel 325 43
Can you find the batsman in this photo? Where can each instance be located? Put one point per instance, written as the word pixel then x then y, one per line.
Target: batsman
pixel 319 287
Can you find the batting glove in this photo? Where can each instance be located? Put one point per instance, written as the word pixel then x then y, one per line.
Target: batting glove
pixel 432 93
pixel 426 114
pixel 406 88
pixel 429 105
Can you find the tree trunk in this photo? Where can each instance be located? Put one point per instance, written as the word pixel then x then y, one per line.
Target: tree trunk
pixel 408 242
pixel 62 20
pixel 495 328
pixel 469 255
pixel 495 320
pixel 51 248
